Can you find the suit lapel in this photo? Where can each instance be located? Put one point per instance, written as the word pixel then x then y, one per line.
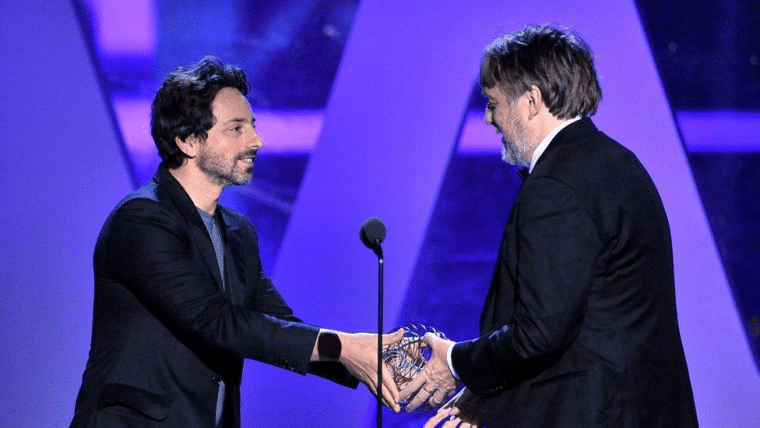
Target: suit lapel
pixel 500 302
pixel 197 230
pixel 233 260
pixel 200 235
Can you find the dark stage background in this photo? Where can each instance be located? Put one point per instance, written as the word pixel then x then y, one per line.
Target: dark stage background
pixel 367 109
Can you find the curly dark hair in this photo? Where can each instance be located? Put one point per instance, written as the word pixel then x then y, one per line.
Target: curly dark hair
pixel 560 63
pixel 182 106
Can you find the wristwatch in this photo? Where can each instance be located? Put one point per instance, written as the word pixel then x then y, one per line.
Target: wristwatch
pixel 328 345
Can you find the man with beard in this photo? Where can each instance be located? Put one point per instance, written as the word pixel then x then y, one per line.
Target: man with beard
pixel 180 296
pixel 579 327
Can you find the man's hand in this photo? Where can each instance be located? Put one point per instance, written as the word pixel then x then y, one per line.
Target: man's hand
pixel 359 356
pixel 462 411
pixel 434 383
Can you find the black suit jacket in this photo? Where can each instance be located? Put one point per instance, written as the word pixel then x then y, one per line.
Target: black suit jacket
pixel 165 333
pixel 579 326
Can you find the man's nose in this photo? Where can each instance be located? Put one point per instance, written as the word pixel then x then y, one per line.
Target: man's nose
pixel 256 139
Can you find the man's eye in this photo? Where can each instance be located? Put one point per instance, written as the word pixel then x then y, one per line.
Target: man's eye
pixel 491 106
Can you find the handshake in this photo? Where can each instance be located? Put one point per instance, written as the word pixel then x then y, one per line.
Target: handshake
pixel 419 368
pixel 416 374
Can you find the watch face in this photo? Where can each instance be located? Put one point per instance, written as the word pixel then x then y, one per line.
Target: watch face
pixel 329 346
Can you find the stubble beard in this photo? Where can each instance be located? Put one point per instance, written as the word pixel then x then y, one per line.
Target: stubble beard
pixel 517 152
pixel 223 171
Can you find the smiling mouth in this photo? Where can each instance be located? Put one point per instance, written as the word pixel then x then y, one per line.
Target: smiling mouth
pixel 249 157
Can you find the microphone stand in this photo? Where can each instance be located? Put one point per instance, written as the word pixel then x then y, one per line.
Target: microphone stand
pixel 372 234
pixel 380 264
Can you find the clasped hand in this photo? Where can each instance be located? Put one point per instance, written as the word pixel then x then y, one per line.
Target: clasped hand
pixel 462 411
pixel 434 383
pixel 359 356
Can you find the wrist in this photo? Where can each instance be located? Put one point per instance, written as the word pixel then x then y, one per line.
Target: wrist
pixel 329 346
pixel 449 362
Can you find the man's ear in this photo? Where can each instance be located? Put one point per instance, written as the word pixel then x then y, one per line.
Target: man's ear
pixel 189 145
pixel 535 101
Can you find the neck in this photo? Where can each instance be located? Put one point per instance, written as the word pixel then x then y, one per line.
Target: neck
pixel 545 125
pixel 203 192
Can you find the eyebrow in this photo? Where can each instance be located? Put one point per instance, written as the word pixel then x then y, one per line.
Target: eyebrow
pixel 239 120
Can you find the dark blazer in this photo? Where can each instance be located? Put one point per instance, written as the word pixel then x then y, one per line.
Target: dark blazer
pixel 579 326
pixel 165 333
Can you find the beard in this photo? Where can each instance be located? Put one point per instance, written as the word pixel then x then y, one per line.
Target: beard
pixel 226 171
pixel 516 148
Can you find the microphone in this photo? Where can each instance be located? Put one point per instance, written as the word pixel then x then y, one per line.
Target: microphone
pixel 372 234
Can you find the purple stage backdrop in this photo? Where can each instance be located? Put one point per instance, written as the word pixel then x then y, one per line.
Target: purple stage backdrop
pixel 62 169
pixel 394 117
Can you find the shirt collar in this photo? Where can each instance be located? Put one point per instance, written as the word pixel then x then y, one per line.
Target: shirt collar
pixel 548 139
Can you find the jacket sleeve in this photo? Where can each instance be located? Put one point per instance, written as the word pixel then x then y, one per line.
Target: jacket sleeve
pixel 557 247
pixel 269 301
pixel 149 250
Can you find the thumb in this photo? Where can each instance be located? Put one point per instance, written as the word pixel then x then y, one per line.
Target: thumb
pixel 394 337
pixel 430 338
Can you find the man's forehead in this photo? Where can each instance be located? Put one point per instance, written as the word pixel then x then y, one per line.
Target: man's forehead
pixel 230 105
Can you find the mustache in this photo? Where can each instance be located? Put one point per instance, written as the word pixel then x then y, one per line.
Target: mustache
pixel 252 153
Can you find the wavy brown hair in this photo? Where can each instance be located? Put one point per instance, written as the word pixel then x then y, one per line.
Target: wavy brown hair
pixel 182 106
pixel 559 63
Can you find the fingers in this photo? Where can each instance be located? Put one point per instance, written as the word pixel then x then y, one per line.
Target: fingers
pixel 448 419
pixel 439 397
pixel 389 401
pixel 388 392
pixel 454 399
pixel 436 419
pixel 414 397
pixel 413 386
pixel 434 397
pixel 454 422
pixel 389 387
pixel 422 397
pixel 360 358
